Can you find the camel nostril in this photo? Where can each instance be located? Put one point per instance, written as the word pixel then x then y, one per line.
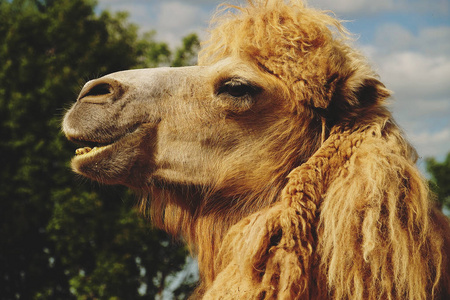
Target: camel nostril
pixel 101 91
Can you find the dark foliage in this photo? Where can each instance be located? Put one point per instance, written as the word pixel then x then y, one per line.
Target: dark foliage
pixel 62 237
pixel 440 180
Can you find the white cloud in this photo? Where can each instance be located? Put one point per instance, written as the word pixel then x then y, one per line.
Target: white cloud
pixel 176 19
pixel 140 12
pixel 370 7
pixel 417 75
pixel 416 67
pixel 351 7
pixel 171 19
pixel 431 143
pixel 176 15
pixel 428 40
pixel 413 65
pixel 393 37
pixel 434 40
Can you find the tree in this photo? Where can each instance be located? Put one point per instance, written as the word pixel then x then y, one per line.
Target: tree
pixel 440 180
pixel 187 53
pixel 61 237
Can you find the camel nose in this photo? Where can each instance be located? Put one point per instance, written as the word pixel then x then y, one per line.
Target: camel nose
pixel 101 90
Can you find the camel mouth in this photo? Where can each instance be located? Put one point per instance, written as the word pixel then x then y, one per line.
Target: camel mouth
pixel 89 155
pixel 91 147
pixel 88 150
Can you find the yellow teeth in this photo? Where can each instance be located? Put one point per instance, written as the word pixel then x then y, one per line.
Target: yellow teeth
pixel 81 151
pixel 86 150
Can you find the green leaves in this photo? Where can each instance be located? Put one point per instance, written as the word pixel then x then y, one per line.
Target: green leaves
pixel 440 180
pixel 187 53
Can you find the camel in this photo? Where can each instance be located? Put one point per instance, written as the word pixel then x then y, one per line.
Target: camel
pixel 275 158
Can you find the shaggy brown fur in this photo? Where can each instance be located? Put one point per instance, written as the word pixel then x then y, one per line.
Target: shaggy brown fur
pixel 297 185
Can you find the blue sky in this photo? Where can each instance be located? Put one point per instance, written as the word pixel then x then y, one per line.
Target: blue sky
pixel 407 42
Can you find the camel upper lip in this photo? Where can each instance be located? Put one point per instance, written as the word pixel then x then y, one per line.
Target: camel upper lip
pixel 91 143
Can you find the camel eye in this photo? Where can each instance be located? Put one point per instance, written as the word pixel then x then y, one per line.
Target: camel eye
pixel 238 88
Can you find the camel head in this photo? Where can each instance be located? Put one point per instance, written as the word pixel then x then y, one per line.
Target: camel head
pixel 272 81
pixel 213 143
pixel 248 114
pixel 193 125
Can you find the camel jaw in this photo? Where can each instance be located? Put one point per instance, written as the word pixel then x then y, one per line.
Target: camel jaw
pixel 91 147
pixel 111 163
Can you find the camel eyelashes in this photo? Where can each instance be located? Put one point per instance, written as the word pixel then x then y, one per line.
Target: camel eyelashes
pixel 238 87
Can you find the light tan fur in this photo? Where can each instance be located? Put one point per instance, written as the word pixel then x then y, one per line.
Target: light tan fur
pixel 275 159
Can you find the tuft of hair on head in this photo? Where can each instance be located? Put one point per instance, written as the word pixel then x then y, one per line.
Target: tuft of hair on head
pixel 268 28
pixel 306 49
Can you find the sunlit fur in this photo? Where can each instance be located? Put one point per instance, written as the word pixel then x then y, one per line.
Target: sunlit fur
pixel 354 221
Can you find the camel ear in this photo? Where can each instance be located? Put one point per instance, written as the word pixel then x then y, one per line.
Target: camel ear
pixel 370 92
pixel 359 92
pixel 349 95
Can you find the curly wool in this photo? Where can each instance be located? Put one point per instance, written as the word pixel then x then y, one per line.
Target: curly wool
pixel 342 230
